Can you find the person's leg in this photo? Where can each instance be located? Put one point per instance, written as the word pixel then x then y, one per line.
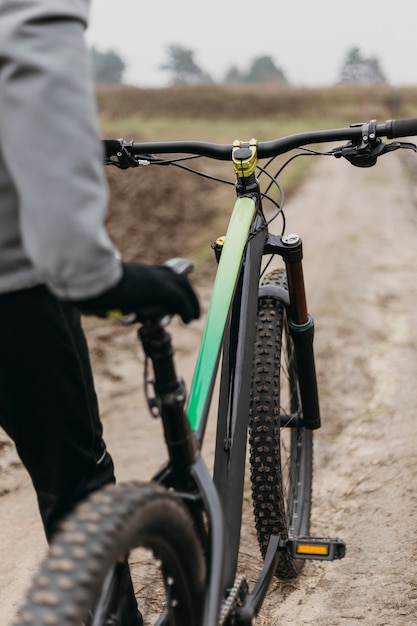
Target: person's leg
pixel 48 406
pixel 47 401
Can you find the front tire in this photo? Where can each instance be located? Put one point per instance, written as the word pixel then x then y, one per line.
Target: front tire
pixel 281 450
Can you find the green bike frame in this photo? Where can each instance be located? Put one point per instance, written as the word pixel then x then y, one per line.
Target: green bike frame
pixel 223 292
pixel 231 327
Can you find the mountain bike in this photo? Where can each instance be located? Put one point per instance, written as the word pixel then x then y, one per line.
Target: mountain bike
pixel 182 530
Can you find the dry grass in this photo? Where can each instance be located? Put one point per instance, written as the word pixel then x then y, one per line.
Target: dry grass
pixel 252 102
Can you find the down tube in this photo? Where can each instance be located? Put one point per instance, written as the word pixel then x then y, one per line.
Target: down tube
pixel 223 290
pixel 231 437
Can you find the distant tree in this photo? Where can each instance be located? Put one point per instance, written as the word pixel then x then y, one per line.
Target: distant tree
pixel 233 75
pixel 183 67
pixel 361 70
pixel 107 67
pixel 261 70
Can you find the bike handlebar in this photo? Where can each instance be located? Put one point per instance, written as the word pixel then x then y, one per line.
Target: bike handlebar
pixel 266 149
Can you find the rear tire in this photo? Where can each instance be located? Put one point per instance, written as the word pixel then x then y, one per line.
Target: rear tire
pixel 281 457
pixel 109 525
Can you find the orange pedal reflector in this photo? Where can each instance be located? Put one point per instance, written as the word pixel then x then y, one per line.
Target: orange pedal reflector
pixel 303 548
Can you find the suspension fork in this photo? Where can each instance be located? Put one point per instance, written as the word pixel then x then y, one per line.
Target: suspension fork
pixel 300 323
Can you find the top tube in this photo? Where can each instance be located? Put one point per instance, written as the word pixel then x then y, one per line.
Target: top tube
pixel 267 149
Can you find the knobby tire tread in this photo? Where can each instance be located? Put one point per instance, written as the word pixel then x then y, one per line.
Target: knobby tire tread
pixel 281 477
pixel 101 532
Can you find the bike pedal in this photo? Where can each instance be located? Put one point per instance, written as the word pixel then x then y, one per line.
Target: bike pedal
pixel 318 548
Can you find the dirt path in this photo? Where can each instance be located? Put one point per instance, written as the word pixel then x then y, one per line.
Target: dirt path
pixel 360 235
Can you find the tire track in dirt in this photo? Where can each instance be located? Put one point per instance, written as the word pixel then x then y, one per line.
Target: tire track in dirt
pixel 360 234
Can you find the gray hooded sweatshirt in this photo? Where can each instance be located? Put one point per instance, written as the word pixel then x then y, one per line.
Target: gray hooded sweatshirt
pixel 53 193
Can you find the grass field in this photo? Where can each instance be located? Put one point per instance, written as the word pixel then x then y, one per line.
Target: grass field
pixel 226 103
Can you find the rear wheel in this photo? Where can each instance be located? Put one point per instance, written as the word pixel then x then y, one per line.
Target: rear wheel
pixel 166 562
pixel 281 450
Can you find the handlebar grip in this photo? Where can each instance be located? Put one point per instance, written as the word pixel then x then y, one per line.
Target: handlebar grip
pixel 401 128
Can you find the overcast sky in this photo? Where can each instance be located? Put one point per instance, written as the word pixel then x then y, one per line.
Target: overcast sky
pixel 308 39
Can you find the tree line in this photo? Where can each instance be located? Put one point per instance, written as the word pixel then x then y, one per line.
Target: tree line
pixel 108 67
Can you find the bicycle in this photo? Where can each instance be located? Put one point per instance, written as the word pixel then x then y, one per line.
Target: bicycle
pixel 259 330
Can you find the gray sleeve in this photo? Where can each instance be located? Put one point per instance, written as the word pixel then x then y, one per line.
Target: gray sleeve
pixel 51 145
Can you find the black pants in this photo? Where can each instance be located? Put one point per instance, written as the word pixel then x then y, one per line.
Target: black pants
pixel 48 405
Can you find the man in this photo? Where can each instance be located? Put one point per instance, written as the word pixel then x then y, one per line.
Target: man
pixel 55 255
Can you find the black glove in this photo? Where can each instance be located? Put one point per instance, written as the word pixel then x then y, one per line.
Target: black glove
pixel 144 287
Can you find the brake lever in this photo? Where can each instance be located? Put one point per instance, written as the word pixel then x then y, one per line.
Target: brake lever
pixel 366 155
pixel 125 158
pixel 366 152
pixel 403 144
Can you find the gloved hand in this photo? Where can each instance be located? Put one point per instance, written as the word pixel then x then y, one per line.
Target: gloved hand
pixel 145 286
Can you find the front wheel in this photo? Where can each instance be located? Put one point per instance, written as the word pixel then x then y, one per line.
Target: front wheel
pixel 281 450
pixel 144 521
